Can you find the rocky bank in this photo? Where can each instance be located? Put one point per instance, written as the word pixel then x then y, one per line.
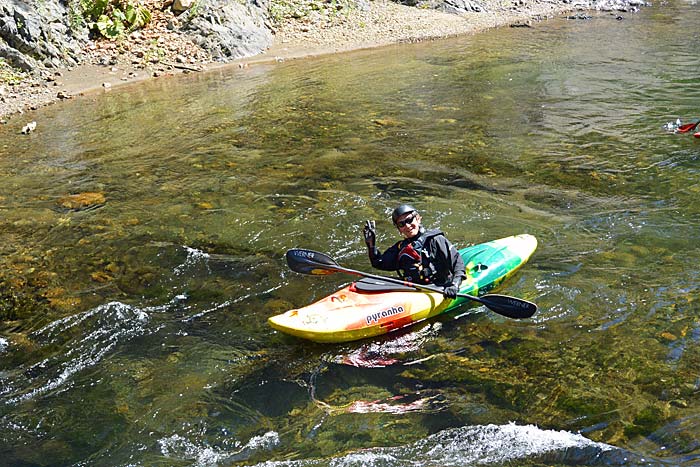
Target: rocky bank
pixel 48 51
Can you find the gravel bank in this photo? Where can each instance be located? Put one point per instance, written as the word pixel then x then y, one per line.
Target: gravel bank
pixel 158 50
pixel 385 22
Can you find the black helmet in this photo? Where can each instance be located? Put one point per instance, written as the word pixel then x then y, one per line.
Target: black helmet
pixel 401 210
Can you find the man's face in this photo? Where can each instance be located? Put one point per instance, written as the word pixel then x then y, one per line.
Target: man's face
pixel 409 224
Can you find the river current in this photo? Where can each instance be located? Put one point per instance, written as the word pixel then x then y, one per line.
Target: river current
pixel 144 230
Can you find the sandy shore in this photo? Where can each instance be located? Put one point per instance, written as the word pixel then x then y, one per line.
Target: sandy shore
pixel 381 23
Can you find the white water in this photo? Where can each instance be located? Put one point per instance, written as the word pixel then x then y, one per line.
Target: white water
pixel 479 445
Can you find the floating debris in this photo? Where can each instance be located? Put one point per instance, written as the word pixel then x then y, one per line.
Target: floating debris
pixel 671 127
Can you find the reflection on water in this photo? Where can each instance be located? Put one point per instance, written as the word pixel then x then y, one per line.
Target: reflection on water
pixel 143 234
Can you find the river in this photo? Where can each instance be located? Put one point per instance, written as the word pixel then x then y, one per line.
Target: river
pixel 144 229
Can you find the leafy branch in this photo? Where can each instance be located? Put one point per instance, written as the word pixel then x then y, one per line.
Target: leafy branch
pixel 113 18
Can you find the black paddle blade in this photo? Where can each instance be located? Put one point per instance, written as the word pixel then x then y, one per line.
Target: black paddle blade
pixel 310 262
pixel 511 307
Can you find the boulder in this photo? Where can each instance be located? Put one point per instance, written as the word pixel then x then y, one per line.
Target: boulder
pixel 457 7
pixel 36 35
pixel 229 30
pixel 461 6
pixel 182 5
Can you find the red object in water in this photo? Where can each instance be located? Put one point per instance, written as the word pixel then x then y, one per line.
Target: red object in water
pixel 697 135
pixel 687 127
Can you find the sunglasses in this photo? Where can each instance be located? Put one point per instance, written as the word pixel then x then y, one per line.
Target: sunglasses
pixel 408 220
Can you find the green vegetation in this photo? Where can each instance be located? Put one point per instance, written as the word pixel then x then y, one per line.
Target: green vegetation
pixel 8 74
pixel 113 18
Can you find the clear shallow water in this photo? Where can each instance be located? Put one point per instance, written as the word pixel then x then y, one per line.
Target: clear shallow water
pixel 134 327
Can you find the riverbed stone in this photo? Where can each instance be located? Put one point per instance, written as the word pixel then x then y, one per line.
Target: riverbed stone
pixel 81 201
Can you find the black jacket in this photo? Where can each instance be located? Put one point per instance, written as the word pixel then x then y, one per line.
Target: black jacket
pixel 429 257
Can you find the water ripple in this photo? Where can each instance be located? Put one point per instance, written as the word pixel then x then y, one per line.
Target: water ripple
pixel 96 333
pixel 177 447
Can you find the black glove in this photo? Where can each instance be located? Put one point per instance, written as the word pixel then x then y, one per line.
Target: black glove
pixel 451 291
pixel 370 234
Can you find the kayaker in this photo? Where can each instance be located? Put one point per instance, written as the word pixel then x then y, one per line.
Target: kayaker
pixel 423 256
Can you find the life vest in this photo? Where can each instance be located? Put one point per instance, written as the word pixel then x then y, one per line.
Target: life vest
pixel 414 261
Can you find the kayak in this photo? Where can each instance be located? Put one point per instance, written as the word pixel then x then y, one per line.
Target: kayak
pixel 369 307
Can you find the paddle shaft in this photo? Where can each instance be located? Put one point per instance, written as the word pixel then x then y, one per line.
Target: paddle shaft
pixel 428 288
pixel 313 262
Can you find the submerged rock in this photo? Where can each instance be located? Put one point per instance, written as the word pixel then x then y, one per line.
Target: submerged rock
pixel 82 201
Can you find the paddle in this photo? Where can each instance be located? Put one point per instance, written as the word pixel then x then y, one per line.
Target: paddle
pixel 687 127
pixel 315 263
